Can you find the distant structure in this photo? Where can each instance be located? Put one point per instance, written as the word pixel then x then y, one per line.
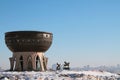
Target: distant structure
pixel 58 66
pixel 66 66
pixel 28 49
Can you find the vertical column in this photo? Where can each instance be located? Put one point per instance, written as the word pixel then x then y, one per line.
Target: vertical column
pixel 17 66
pixel 33 60
pixel 41 61
pixel 11 63
pixel 45 60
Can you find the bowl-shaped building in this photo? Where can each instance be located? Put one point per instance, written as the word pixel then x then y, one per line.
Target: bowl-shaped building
pixel 28 49
pixel 26 41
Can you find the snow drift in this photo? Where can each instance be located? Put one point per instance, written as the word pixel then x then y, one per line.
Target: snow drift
pixel 59 75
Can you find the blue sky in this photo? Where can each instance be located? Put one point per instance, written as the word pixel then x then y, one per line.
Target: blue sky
pixel 85 32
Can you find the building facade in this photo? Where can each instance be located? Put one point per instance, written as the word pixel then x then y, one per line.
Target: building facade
pixel 28 48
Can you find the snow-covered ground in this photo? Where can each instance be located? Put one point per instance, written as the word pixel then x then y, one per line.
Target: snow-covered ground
pixel 59 75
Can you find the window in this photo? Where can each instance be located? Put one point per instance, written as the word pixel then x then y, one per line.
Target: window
pixel 38 65
pixel 46 35
pixel 21 63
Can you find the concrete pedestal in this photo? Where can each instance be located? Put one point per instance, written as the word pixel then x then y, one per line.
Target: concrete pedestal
pixel 28 61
